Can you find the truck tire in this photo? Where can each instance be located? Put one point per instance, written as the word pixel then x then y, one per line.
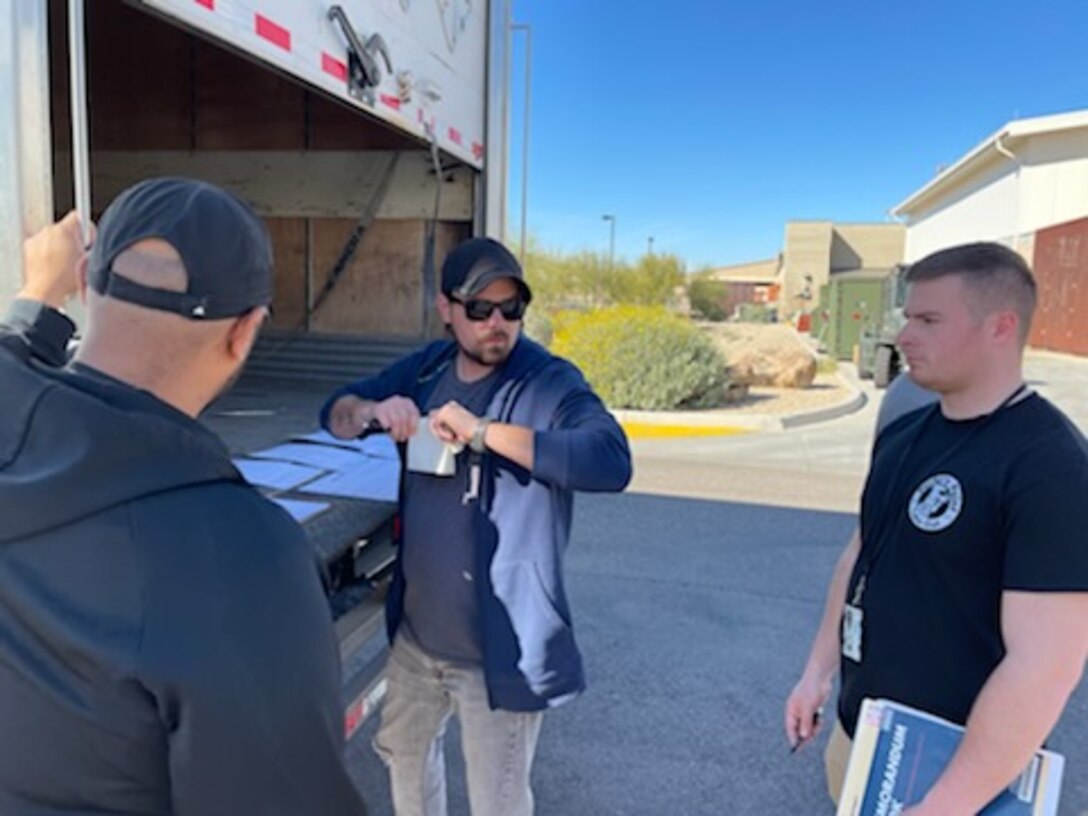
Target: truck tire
pixel 885 366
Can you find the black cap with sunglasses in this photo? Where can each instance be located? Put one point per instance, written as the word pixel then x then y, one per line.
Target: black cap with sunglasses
pixel 473 266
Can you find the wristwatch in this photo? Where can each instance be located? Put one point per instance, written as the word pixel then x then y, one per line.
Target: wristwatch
pixel 476 444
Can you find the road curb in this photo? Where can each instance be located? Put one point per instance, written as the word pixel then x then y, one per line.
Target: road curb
pixel 722 422
pixel 848 406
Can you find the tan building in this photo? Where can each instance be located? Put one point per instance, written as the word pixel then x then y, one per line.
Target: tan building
pixel 759 272
pixel 813 251
pixel 755 282
pixel 816 250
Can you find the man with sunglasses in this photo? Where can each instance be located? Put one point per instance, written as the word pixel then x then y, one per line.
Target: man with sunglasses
pixel 477 612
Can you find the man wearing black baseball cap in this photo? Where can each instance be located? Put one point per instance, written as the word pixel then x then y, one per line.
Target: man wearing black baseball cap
pixel 477 611
pixel 165 643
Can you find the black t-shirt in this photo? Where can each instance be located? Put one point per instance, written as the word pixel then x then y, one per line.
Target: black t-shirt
pixel 953 514
pixel 438 556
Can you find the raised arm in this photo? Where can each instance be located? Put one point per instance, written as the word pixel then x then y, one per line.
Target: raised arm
pixel 33 325
pixel 584 449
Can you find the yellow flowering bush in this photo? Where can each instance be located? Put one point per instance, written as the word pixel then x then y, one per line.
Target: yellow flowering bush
pixel 642 357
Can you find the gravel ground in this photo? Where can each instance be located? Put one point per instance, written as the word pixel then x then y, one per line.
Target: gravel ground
pixel 828 389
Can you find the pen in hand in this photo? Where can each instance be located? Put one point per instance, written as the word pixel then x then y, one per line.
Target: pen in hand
pixel 817 715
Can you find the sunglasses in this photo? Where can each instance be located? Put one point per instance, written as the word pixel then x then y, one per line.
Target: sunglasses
pixel 477 309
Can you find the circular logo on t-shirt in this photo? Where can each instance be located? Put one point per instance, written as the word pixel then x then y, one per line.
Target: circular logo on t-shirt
pixel 936 503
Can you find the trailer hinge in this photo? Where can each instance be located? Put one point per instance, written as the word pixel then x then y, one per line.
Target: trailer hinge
pixel 364 73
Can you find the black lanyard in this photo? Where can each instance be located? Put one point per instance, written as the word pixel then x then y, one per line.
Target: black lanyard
pixel 897 483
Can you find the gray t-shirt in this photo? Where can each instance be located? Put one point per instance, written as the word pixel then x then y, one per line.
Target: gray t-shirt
pixel 903 396
pixel 439 549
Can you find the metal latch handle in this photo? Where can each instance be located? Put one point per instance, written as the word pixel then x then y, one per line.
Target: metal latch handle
pixel 364 72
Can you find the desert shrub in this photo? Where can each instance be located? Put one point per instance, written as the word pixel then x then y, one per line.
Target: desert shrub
pixel 586 280
pixel 709 298
pixel 756 313
pixel 538 325
pixel 643 357
pixel 649 282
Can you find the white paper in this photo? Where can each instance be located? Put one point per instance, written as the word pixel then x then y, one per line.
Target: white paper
pixel 324 457
pixel 276 475
pixel 428 454
pixel 377 479
pixel 380 445
pixel 301 510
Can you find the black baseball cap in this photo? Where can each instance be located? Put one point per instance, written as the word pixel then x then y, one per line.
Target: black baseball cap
pixel 472 266
pixel 223 245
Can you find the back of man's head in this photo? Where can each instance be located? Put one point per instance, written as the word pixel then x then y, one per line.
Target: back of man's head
pixel 996 278
pixel 177 275
pixel 222 245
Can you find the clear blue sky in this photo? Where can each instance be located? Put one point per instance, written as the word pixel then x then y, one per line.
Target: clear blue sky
pixel 708 124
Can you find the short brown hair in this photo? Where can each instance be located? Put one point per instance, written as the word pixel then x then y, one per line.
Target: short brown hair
pixel 998 278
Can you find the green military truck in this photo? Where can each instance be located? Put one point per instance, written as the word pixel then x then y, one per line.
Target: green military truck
pixel 878 355
pixel 858 317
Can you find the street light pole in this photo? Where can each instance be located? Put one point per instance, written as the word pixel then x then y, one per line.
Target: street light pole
pixel 650 245
pixel 611 219
pixel 528 30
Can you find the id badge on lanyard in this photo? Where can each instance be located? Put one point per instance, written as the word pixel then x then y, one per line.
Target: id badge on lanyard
pixel 852 617
pixel 852 621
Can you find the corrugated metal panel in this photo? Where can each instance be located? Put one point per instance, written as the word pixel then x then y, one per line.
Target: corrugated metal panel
pixel 1061 274
pixel 324 358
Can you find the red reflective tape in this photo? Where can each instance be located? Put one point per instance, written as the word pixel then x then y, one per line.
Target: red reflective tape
pixel 477 150
pixel 275 34
pixel 391 101
pixel 455 135
pixel 331 65
pixel 354 718
pixel 208 4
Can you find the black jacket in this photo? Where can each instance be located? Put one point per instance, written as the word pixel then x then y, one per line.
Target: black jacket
pixel 165 644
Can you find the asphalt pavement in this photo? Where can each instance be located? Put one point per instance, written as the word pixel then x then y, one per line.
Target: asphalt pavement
pixel 690 593
pixel 695 597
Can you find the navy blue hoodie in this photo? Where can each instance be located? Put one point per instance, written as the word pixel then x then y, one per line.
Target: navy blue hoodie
pixel 531 660
pixel 165 643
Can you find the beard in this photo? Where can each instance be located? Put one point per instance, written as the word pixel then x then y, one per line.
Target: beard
pixel 491 351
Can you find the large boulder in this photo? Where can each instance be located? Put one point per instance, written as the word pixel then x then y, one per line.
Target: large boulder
pixel 764 354
pixel 781 367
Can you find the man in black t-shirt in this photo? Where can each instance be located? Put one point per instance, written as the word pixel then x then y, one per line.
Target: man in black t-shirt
pixel 966 594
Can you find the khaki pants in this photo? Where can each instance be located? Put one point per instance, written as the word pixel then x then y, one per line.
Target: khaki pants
pixel 836 758
pixel 423 692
